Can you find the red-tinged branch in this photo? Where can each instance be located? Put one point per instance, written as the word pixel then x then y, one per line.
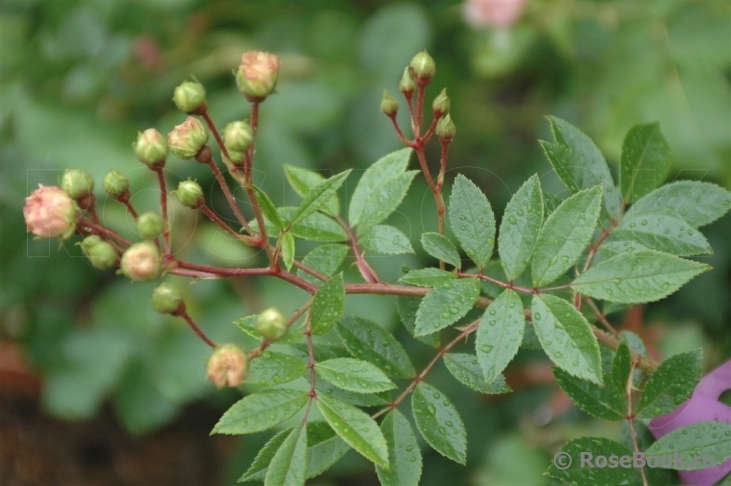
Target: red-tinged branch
pixel 164 208
pixel 311 366
pixel 229 195
pixel 216 134
pixel 249 240
pixel 85 226
pixel 130 208
pixel 197 330
pixel 430 131
pixel 499 283
pixel 309 270
pixel 630 417
pixel 419 109
pixel 646 363
pixel 600 316
pixel 399 134
pixel 365 270
pixel 420 377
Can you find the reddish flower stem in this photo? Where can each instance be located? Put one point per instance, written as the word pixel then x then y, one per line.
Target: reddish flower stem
pixel 229 196
pixel 163 208
pixel 365 270
pixel 197 330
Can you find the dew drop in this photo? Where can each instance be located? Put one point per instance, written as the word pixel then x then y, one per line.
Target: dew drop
pixel 512 220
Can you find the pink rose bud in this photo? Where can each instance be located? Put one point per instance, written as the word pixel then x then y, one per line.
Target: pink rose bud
pixel 492 13
pixel 49 212
pixel 227 366
pixel 257 74
pixel 141 262
pixel 188 138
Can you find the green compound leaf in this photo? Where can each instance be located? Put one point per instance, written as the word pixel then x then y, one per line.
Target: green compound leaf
pixel 579 163
pixel 692 444
pixel 319 196
pixel 287 250
pixel 354 375
pixel 268 208
pixel 325 448
pixel 621 367
pixel 386 240
pixel 472 220
pixel 407 308
pixel 328 305
pixel 568 467
pixel 441 248
pixel 697 203
pixel 383 200
pixel 316 227
pixel 662 232
pixel 272 368
pixel 520 227
pixel 289 464
pixel 258 468
pixel 261 411
pixel 370 342
pixel 564 236
pixel 439 422
pixel 500 334
pixel 325 259
pixel 636 277
pixel 601 402
pixel 671 384
pixel 374 178
pixel 445 304
pixel 305 180
pixel 566 337
pixel 466 369
pixel 356 428
pixel 427 277
pixel 645 161
pixel 404 455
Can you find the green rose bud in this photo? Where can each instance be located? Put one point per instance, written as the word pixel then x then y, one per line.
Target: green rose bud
pixel 445 128
pixel 441 104
pixel 190 194
pixel 149 225
pixel 116 185
pixel 151 147
pixel 141 262
pixel 189 96
pixel 238 136
pixel 227 366
pixel 271 324
pixel 257 75
pixel 422 66
pixel 77 183
pixel 406 85
pixel 237 158
pixel 101 254
pixel 167 299
pixel 188 138
pixel 389 105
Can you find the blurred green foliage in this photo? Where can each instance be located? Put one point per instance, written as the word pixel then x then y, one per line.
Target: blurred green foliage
pixel 79 78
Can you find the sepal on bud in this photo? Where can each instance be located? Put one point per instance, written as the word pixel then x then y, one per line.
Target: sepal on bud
pixel 227 366
pixel 167 299
pixel 441 104
pixel 141 262
pixel 257 75
pixel 406 85
pixel 116 185
pixel 423 67
pixel 445 128
pixel 188 138
pixel 189 96
pixel 101 254
pixel 190 194
pixel 238 136
pixel 77 183
pixel 389 105
pixel 151 147
pixel 271 324
pixel 50 212
pixel 149 225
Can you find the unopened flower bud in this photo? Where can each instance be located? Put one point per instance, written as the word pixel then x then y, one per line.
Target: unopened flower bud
pixel 151 147
pixel 189 96
pixel 149 225
pixel 441 103
pixel 77 183
pixel 257 75
pixel 101 254
pixel 188 138
pixel 141 262
pixel 422 66
pixel 389 105
pixel 445 128
pixel 406 85
pixel 271 324
pixel 167 299
pixel 238 136
pixel 237 158
pixel 116 185
pixel 227 366
pixel 49 212
pixel 190 194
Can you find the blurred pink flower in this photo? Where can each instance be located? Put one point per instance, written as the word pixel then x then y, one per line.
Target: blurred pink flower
pixel 492 13
pixel 49 212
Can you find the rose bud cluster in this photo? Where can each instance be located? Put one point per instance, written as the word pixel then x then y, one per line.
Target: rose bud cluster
pixel 188 138
pixel 101 254
pixel 227 366
pixel 141 262
pixel 50 212
pixel 271 324
pixel 257 75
